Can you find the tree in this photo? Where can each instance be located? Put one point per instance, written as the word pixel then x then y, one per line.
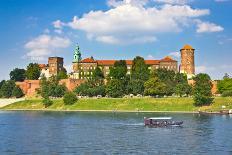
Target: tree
pixel 33 71
pixel 18 74
pixel 17 92
pixel 226 76
pixel 119 70
pixel 224 85
pixel 6 89
pixel 69 98
pixel 183 89
pixel 202 90
pixel 98 77
pixel 115 88
pixel 62 74
pixel 154 87
pixel 1 83
pixel 98 74
pixel 135 87
pixel 47 102
pixel 140 69
pixel 167 77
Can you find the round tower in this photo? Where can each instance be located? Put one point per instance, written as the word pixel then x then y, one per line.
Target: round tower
pixel 187 65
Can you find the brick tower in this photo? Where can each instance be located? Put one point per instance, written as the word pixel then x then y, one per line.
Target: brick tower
pixel 55 65
pixel 187 65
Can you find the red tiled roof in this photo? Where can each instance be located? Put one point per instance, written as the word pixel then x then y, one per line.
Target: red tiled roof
pixel 41 66
pixel 168 59
pixel 128 62
pixel 88 60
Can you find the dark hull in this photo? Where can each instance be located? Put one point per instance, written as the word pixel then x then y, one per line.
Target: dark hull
pixel 149 123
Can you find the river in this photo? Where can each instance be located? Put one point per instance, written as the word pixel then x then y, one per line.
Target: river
pixel 66 133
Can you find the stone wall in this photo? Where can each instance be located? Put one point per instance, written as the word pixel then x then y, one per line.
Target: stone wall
pixel 29 86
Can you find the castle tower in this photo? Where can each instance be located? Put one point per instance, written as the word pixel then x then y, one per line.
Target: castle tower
pixel 55 65
pixel 187 65
pixel 76 58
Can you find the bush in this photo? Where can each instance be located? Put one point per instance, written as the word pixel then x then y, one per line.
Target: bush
pixel 17 92
pixel 47 102
pixel 69 98
pixel 200 100
pixel 227 93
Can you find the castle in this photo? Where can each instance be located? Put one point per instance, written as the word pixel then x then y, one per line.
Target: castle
pixel 83 69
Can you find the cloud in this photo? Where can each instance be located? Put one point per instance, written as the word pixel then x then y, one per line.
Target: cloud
pixel 129 22
pixel 203 27
pixel 150 57
pixel 175 54
pixel 44 45
pixel 179 2
pixel 58 24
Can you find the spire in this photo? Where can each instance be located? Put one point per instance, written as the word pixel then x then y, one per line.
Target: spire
pixel 77 54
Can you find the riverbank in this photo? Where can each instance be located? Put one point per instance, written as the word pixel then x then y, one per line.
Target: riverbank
pixel 181 105
pixel 5 102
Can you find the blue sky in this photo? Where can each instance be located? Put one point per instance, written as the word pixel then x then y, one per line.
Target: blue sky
pixel 31 31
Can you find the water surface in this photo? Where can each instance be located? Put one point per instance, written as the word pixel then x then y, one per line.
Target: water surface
pixel 66 133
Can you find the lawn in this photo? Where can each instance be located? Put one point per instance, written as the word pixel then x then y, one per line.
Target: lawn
pixel 123 104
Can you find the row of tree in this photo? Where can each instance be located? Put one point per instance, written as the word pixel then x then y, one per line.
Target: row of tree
pixel 142 81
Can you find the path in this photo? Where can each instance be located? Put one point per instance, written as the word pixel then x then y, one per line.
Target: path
pixel 5 102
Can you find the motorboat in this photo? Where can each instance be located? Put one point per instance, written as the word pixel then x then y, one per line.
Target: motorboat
pixel 161 122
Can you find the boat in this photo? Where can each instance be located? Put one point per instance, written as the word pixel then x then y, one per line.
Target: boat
pixel 161 122
pixel 221 112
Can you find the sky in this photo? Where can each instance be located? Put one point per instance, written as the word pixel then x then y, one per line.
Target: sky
pixel 31 31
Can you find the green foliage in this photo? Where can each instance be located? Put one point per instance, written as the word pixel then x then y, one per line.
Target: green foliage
pixel 1 83
pixel 33 71
pixel 115 88
pixel 119 70
pixel 17 74
pixel 47 102
pixel 202 90
pixel 135 87
pixel 224 85
pixel 51 87
pixel 227 93
pixel 62 74
pixel 98 74
pixel 17 92
pixel 154 87
pixel 139 70
pixel 167 77
pixel 89 89
pixel 6 89
pixel 183 89
pixel 69 98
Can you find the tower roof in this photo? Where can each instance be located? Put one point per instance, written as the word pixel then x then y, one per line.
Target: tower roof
pixel 187 47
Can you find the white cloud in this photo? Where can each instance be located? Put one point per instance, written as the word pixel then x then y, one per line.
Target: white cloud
pixel 58 24
pixel 150 57
pixel 130 22
pixel 45 45
pixel 179 2
pixel 175 54
pixel 207 27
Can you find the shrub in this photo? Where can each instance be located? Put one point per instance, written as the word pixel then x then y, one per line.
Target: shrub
pixel 227 93
pixel 69 98
pixel 47 102
pixel 17 92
